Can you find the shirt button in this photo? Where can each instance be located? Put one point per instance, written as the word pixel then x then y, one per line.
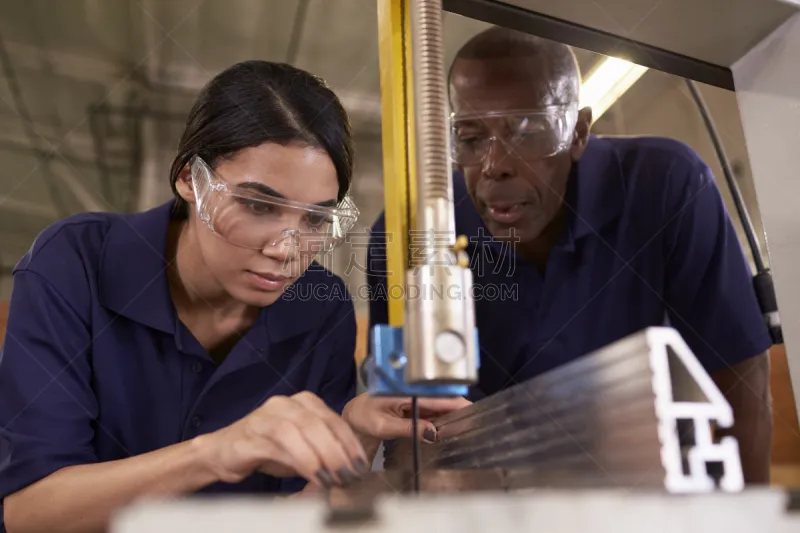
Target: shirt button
pixel 196 421
pixel 197 367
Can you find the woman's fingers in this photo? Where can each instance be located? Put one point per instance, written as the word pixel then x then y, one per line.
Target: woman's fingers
pixel 337 467
pixel 298 453
pixel 319 445
pixel 278 469
pixel 394 427
pixel 340 429
pixel 390 418
pixel 315 441
pixel 440 406
pixel 428 407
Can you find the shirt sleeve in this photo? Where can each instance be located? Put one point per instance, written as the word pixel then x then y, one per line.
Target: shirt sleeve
pixel 47 406
pixel 339 385
pixel 377 274
pixel 709 285
pixel 339 336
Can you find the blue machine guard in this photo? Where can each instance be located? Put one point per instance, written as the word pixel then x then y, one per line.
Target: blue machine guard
pixel 385 368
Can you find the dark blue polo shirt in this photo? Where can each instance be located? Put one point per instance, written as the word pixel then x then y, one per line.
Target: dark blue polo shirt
pixel 96 365
pixel 647 239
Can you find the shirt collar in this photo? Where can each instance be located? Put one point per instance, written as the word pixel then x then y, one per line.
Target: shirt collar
pixel 133 279
pixel 596 191
pixel 133 272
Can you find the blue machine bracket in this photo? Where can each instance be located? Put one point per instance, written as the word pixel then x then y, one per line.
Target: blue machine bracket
pixel 385 368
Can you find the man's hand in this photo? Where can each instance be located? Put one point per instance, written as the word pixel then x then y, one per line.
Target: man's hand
pixel 287 436
pixel 390 418
pixel 746 387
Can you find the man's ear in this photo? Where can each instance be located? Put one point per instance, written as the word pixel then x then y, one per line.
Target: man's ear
pixel 583 129
pixel 183 184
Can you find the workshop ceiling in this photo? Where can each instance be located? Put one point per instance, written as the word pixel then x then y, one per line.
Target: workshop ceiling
pixel 77 76
pixel 93 93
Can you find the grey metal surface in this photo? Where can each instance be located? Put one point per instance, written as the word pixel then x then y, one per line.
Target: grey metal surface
pixel 719 32
pixel 585 39
pixel 584 415
pixel 632 414
pixel 581 511
pixel 768 92
pixel 366 492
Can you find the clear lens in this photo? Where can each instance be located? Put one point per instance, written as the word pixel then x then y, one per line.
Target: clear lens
pixel 527 135
pixel 256 221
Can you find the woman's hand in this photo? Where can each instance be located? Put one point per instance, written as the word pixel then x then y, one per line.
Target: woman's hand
pixel 390 418
pixel 309 491
pixel 287 436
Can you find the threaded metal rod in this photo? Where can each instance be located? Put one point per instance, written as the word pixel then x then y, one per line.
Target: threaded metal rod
pixel 434 190
pixel 430 97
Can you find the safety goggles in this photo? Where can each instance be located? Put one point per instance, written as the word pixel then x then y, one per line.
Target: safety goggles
pixel 251 219
pixel 525 134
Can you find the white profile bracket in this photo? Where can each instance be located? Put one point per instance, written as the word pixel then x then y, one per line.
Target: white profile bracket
pixel 686 394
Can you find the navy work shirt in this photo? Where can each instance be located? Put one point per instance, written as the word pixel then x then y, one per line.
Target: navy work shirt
pixel 96 365
pixel 648 238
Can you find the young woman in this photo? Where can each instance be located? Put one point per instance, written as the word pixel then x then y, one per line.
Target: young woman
pixel 161 353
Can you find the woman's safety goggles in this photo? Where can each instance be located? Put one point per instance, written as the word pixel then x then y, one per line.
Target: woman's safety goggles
pixel 527 135
pixel 252 219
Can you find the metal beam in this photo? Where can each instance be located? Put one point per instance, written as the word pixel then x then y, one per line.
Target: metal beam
pixel 23 207
pixel 601 42
pixel 153 181
pixel 149 180
pixel 87 198
pixel 297 31
pixel 182 78
pixel 189 77
pixel 148 15
pixel 81 146
pixel 639 413
pixel 16 146
pixel 20 107
pixel 74 66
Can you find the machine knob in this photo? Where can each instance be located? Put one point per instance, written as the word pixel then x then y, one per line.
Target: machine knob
pixel 449 347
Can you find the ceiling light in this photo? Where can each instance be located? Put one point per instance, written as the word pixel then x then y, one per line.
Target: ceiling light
pixel 607 83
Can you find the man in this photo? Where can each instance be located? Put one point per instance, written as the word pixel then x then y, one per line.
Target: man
pixel 590 239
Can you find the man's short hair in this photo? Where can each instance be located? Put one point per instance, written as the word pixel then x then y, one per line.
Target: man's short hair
pixel 502 43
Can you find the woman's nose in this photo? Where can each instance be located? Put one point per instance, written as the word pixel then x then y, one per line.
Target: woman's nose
pixel 283 246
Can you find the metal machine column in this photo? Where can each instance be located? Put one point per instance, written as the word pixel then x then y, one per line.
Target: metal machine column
pixel 429 347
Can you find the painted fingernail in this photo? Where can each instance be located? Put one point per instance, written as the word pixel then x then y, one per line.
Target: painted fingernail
pixel 429 435
pixel 325 478
pixel 346 475
pixel 361 466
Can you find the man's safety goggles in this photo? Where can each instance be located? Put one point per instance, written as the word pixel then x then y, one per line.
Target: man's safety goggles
pixel 251 219
pixel 526 135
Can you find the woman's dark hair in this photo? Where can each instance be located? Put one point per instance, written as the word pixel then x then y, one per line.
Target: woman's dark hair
pixel 256 102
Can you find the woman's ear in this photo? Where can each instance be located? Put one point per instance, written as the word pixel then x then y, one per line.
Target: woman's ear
pixel 183 184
